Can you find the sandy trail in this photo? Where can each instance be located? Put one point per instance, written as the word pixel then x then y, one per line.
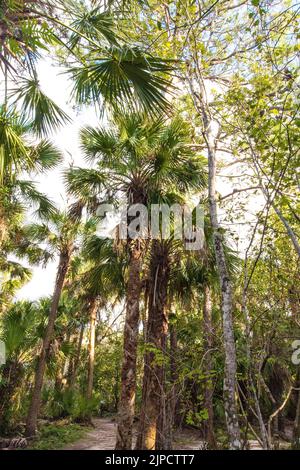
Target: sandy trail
pixel 103 436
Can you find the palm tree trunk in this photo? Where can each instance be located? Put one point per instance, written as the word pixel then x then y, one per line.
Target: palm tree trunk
pixel 128 373
pixel 174 378
pixel 208 392
pixel 157 328
pixel 164 421
pixel 77 358
pixel 93 316
pixel 3 226
pixel 34 407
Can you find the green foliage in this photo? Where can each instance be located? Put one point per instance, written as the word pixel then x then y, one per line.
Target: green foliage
pixel 69 403
pixel 58 435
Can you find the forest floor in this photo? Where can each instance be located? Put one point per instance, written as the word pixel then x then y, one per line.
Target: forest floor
pixel 103 437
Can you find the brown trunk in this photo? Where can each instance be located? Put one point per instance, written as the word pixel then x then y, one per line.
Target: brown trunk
pixel 174 377
pixel 164 421
pixel 77 358
pixel 93 317
pixel 34 407
pixel 128 373
pixel 208 364
pixel 3 226
pixel 157 328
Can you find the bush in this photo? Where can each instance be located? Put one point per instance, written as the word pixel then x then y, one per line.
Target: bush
pixel 70 403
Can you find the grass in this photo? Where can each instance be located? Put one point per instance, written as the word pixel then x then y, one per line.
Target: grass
pixel 57 435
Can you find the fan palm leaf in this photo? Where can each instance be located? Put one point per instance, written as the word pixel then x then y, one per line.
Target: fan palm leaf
pixel 43 114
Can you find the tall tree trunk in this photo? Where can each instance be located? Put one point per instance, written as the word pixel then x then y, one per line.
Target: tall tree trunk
pixel 208 392
pixel 128 373
pixel 138 443
pixel 157 328
pixel 174 377
pixel 164 424
pixel 34 407
pixel 77 358
pixel 229 387
pixel 93 317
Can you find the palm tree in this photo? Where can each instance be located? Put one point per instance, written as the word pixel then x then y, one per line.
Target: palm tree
pixel 59 234
pixel 157 330
pixel 18 331
pixel 142 160
pixel 19 157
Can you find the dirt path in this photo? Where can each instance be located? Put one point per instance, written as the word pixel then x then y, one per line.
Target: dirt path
pixel 103 437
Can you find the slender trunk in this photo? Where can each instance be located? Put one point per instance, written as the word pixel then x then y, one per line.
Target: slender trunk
pixel 288 228
pixel 229 387
pixel 174 377
pixel 3 224
pixel 77 358
pixel 157 328
pixel 128 373
pixel 208 364
pixel 34 407
pixel 164 425
pixel 93 317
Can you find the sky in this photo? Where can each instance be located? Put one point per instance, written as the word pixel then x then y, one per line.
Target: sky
pixel 57 86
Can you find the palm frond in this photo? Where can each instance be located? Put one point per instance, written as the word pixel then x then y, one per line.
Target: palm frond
pixel 44 115
pixel 14 154
pixel 124 78
pixel 99 142
pixel 45 156
pixel 94 24
pixel 84 183
pixel 34 198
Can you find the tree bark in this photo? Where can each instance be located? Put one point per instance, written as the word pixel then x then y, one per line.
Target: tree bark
pixel 31 423
pixel 157 329
pixel 77 358
pixel 128 373
pixel 174 378
pixel 208 344
pixel 164 422
pixel 93 317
